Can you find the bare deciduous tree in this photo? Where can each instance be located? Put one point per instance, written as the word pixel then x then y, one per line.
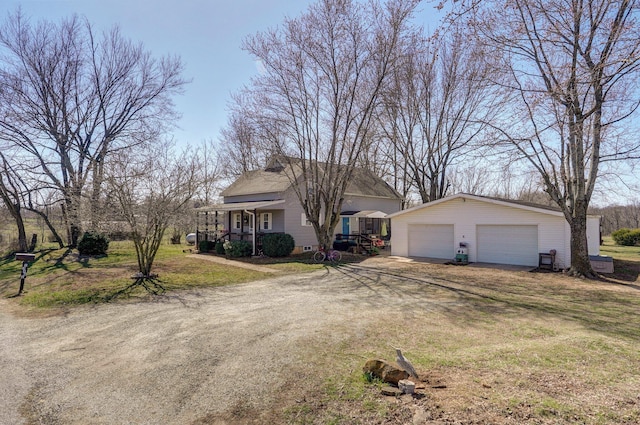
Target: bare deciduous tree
pixel 314 103
pixel 150 187
pixel 571 67
pixel 241 146
pixel 615 217
pixel 10 193
pixel 69 99
pixel 434 108
pixel 211 163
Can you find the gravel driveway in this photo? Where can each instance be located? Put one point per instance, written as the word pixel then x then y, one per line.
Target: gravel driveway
pixel 190 355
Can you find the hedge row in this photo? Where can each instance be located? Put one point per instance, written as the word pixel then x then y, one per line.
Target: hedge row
pixel 626 237
pixel 273 245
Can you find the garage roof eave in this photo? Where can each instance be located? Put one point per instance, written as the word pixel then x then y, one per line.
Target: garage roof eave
pixel 540 209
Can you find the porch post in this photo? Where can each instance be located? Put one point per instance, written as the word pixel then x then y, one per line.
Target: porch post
pixel 206 224
pixel 197 228
pixel 254 232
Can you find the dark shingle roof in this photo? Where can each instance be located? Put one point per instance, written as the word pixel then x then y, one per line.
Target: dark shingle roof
pixel 365 183
pixel 258 181
pixel 275 180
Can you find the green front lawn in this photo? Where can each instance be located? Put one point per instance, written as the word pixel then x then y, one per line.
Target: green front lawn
pixel 60 277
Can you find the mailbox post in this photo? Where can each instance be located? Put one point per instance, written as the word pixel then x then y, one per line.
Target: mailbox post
pixel 26 258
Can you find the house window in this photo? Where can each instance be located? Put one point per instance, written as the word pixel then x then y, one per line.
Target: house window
pixel 266 221
pixel 237 221
pixel 304 220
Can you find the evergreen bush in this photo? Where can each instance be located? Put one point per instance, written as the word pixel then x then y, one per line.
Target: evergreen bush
pixel 239 249
pixel 626 237
pixel 278 244
pixel 203 246
pixel 219 248
pixel 93 243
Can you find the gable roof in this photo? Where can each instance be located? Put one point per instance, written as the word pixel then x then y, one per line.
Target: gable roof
pixel 528 206
pixel 258 181
pixel 364 182
pixel 273 179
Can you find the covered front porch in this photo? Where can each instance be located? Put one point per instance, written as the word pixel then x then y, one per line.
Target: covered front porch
pixel 235 221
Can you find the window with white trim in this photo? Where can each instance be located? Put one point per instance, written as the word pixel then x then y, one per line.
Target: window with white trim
pixel 304 221
pixel 237 221
pixel 266 221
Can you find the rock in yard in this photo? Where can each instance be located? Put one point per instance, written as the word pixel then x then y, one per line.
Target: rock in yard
pixel 385 371
pixel 406 386
pixel 392 391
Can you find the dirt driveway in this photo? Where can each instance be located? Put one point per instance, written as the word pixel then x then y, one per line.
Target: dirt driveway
pixel 191 357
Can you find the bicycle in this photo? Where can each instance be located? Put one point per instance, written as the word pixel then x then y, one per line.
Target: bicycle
pixel 332 255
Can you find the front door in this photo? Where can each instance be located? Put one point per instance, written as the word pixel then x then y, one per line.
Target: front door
pixel 345 225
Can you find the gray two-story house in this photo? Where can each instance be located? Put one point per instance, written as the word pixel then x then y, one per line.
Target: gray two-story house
pixel 264 201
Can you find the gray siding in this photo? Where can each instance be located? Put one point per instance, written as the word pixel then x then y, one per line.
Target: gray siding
pixel 302 235
pixel 288 218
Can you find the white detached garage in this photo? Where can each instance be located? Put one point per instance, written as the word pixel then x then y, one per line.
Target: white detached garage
pixel 493 230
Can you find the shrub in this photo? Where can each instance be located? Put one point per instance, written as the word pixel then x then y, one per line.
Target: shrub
pixel 203 246
pixel 278 244
pixel 239 248
pixel 93 243
pixel 206 246
pixel 626 237
pixel 219 248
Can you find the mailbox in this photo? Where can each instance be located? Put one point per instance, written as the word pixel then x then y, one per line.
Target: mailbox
pixel 25 256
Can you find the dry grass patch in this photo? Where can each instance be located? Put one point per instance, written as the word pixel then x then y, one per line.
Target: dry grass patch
pixel 516 348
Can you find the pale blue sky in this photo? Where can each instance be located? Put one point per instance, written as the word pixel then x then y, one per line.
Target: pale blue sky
pixel 206 34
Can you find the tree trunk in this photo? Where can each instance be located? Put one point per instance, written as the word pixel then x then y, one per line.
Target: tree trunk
pixel 22 234
pixel 580 264
pixel 15 211
pixel 97 210
pixel 50 225
pixel 9 199
pixel 71 215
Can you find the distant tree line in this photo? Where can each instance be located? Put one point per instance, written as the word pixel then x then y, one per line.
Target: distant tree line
pixel 616 217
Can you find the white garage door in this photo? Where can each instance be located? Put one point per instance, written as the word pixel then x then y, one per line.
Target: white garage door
pixel 431 240
pixel 505 244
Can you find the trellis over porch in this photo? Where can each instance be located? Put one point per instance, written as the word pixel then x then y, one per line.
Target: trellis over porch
pixel 237 221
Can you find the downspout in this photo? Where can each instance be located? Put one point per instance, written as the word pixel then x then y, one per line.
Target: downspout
pixel 253 234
